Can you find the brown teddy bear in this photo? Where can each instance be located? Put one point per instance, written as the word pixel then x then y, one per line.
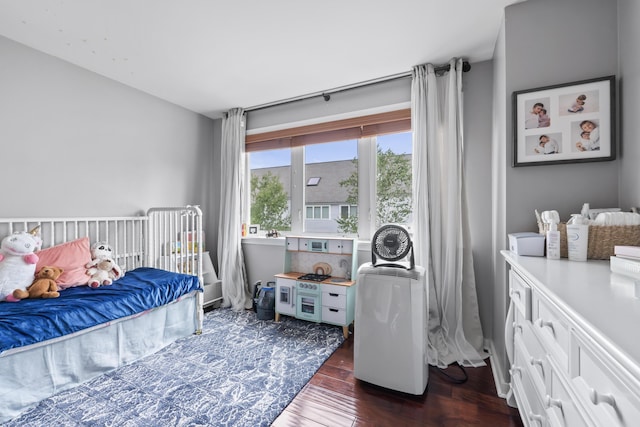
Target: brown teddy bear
pixel 44 285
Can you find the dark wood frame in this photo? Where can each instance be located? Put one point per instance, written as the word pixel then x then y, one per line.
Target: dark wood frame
pixel 564 123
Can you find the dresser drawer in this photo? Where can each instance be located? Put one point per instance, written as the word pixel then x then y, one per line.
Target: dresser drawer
pixel 561 408
pixel 608 395
pixel 520 294
pixel 534 365
pixel 529 404
pixel 553 329
pixel 334 300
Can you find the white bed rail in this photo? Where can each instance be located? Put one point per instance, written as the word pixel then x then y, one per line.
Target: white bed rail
pixel 175 242
pixel 175 239
pixel 124 234
pixel 167 237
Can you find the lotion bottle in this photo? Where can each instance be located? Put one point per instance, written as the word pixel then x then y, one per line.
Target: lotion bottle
pixel 577 238
pixel 553 242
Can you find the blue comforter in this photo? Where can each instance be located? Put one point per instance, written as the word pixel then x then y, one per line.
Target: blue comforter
pixel 33 320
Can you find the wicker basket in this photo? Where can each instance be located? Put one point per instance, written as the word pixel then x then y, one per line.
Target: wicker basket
pixel 602 238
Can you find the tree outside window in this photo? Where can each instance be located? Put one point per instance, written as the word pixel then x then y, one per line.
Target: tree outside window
pixel 393 183
pixel 269 204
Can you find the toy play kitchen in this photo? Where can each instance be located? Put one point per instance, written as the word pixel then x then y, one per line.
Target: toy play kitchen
pixel 317 284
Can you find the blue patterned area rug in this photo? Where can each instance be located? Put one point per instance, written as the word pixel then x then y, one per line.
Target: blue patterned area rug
pixel 240 372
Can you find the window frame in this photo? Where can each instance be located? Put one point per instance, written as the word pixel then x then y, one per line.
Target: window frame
pixel 322 207
pixel 349 208
pixel 364 129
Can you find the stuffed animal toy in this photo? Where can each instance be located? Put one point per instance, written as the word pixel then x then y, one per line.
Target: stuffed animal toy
pixel 100 251
pixel 44 285
pixel 103 273
pixel 18 262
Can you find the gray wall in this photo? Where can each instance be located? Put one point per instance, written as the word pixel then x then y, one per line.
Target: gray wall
pixel 547 42
pixel 77 144
pixel 629 61
pixel 477 156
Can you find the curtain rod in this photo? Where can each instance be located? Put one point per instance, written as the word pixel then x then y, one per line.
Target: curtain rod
pixel 327 93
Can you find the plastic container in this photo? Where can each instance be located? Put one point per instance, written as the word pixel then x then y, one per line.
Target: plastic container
pixel 577 238
pixel 553 242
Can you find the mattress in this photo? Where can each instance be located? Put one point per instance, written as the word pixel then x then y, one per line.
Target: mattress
pixel 35 320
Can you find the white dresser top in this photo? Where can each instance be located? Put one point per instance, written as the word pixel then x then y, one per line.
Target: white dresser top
pixel 601 302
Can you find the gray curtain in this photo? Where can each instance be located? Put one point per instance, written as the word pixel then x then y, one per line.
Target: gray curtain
pixel 235 288
pixel 442 241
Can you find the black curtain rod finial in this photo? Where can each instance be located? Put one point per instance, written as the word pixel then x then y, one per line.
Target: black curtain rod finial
pixel 326 96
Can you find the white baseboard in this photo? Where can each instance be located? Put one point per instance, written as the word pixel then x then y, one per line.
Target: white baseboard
pixel 499 376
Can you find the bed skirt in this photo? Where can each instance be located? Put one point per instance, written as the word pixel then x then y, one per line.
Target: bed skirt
pixel 33 373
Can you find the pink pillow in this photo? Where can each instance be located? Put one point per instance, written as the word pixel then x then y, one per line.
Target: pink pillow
pixel 71 257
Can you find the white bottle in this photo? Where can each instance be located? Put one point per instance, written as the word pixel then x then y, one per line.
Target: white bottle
pixel 577 238
pixel 553 242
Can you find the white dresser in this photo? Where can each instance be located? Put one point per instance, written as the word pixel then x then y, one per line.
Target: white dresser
pixel 573 341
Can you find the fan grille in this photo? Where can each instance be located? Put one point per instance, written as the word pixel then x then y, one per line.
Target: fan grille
pixel 391 243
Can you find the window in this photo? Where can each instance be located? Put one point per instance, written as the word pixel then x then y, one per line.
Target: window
pixel 393 186
pixel 334 163
pixel 346 177
pixel 318 212
pixel 270 179
pixel 347 211
pixel 314 181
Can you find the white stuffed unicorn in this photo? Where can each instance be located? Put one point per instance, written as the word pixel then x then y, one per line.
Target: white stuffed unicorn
pixel 18 262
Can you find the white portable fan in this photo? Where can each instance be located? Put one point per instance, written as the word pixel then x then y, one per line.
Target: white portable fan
pixel 392 243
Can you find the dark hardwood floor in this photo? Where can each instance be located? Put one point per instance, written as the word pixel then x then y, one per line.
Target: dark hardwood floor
pixel 333 397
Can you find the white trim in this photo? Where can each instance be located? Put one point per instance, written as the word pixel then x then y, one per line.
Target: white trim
pixel 499 378
pixel 332 118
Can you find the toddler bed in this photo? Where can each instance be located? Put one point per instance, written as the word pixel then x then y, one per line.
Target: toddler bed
pixel 49 345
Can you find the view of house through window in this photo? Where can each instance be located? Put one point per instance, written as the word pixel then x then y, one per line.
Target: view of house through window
pixel 332 162
pixel 330 183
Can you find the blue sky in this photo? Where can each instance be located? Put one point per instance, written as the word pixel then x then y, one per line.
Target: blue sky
pixel 344 150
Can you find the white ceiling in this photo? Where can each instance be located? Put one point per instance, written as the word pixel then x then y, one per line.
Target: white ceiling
pixel 210 55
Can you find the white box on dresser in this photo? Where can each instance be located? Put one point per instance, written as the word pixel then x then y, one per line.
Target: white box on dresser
pixel 573 343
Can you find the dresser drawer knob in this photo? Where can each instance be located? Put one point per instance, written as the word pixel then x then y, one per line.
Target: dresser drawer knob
pixel 517 326
pixel 598 398
pixel 545 324
pixel 536 417
pixel 549 402
pixel 538 362
pixel 515 370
